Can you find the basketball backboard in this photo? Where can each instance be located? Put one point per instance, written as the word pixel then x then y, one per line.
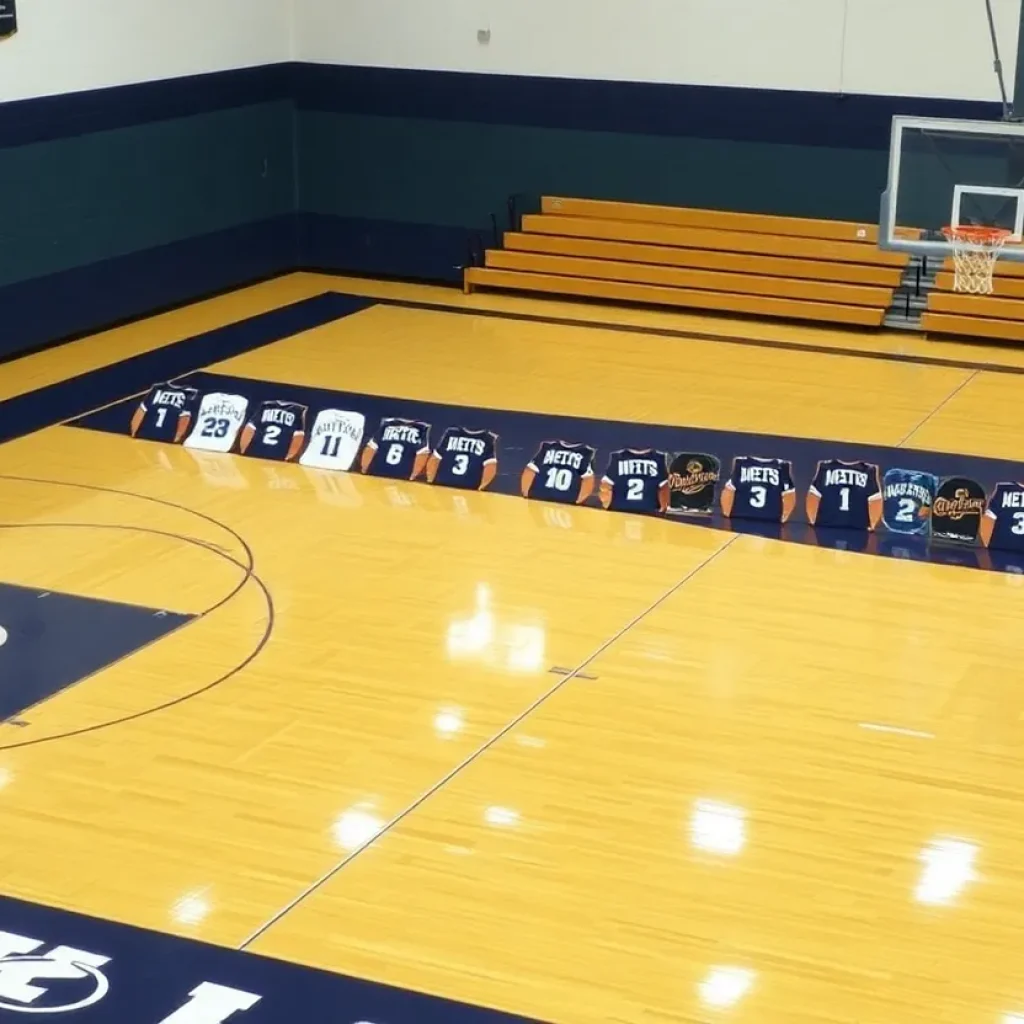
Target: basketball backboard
pixel 945 172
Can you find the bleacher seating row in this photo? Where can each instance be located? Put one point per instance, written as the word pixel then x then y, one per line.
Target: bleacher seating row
pixel 999 316
pixel 788 267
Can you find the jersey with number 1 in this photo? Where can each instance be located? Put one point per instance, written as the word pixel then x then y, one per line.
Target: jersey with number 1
pixel 759 486
pixel 397 445
pixel 165 410
pixel 1006 507
pixel 845 491
pixel 275 427
pixel 334 440
pixel 463 454
pixel 560 469
pixel 636 478
pixel 220 418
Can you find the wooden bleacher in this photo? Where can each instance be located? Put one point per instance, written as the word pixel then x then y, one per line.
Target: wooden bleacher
pixel 998 316
pixel 789 267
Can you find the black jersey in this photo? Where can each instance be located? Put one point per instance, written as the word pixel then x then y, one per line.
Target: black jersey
pixel 275 431
pixel 758 486
pixel 1006 507
pixel 560 468
pixel 397 445
pixel 845 491
pixel 165 413
pixel 692 483
pixel 462 456
pixel 907 497
pixel 636 478
pixel 957 511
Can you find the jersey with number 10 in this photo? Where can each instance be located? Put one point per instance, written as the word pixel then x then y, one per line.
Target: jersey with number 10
pixel 218 422
pixel 463 454
pixel 1006 507
pixel 397 445
pixel 164 414
pixel 636 478
pixel 560 469
pixel 334 440
pixel 758 486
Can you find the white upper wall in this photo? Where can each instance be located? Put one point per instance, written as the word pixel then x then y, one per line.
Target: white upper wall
pixel 892 47
pixel 70 45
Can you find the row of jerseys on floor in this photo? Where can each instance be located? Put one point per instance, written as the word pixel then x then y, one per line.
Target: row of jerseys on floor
pixel 846 495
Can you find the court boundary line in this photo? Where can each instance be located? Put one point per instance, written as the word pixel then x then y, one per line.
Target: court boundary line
pixel 728 339
pixel 938 408
pixel 471 758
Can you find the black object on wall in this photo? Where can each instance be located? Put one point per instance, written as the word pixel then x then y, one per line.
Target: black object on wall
pixel 8 18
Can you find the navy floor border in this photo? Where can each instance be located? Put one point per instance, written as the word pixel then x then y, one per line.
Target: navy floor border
pixel 521 433
pixel 74 397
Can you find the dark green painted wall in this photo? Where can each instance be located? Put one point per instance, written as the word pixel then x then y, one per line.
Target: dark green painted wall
pixel 91 197
pixel 458 173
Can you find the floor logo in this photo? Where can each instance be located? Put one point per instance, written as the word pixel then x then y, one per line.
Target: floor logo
pixel 33 980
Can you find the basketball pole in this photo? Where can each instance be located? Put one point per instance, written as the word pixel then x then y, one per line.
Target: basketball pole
pixel 997 64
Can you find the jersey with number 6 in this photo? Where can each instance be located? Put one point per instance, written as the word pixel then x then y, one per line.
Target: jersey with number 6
pixel 334 440
pixel 758 486
pixel 907 497
pixel 636 478
pixel 396 447
pixel 220 418
pixel 844 490
pixel 164 414
pixel 276 431
pixel 560 469
pixel 1006 507
pixel 463 454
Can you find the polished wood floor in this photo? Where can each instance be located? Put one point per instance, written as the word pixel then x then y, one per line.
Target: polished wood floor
pixel 776 784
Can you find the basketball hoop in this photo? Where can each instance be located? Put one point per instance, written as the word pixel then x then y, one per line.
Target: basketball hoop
pixel 975 251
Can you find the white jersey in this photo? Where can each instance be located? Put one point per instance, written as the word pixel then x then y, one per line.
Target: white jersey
pixel 334 440
pixel 218 422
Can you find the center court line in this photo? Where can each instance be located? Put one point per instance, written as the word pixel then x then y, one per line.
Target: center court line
pixel 484 747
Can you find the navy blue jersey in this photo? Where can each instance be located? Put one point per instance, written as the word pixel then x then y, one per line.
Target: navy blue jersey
pixel 844 491
pixel 907 498
pixel 1006 507
pixel 758 486
pixel 560 469
pixel 462 456
pixel 275 431
pixel 636 478
pixel 397 445
pixel 165 413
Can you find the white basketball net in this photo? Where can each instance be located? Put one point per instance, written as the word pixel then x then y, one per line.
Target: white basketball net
pixel 975 251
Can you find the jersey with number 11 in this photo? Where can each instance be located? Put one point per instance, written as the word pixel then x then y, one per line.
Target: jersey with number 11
pixel 334 440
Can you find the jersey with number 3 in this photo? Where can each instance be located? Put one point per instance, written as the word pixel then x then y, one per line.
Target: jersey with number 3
pixel 164 411
pixel 1006 507
pixel 560 469
pixel 636 478
pixel 907 498
pixel 463 454
pixel 334 440
pixel 218 422
pixel 758 486
pixel 397 445
pixel 274 429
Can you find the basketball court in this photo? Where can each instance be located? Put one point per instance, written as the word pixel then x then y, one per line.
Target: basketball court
pixel 566 764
